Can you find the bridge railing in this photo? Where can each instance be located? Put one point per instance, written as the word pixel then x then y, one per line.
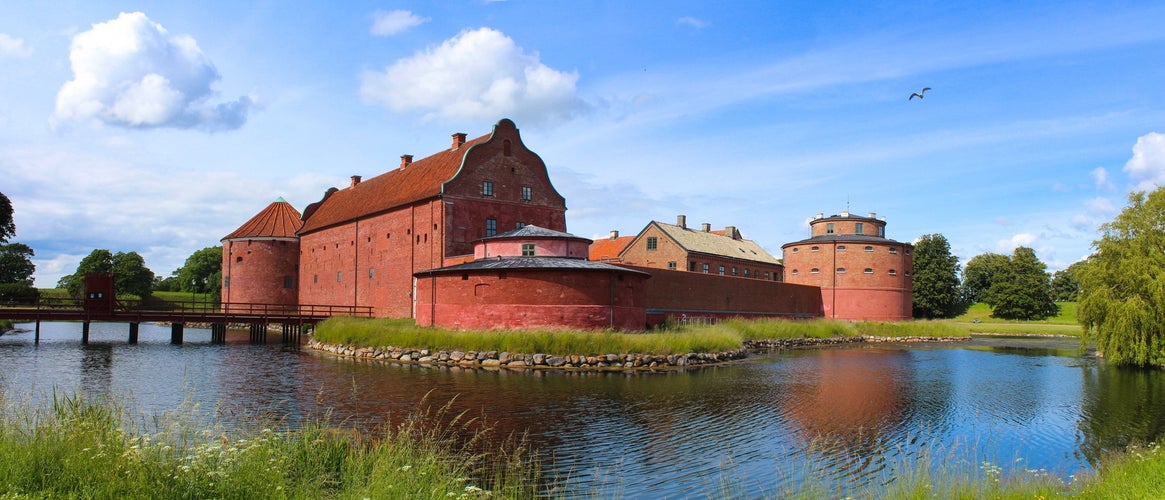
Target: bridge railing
pixel 194 307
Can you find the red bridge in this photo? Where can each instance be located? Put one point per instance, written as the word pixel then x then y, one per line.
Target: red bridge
pixel 98 306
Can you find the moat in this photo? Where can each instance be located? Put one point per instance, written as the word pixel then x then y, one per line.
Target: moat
pixel 853 415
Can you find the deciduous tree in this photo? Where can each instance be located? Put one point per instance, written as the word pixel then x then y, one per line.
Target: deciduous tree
pixel 130 274
pixel 936 278
pixel 16 263
pixel 7 225
pixel 979 274
pixel 1066 283
pixel 1122 302
pixel 1022 289
pixel 198 274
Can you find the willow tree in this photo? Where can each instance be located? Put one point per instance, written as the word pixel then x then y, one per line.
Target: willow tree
pixel 1122 303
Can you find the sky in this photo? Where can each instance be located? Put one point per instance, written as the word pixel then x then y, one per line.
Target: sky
pixel 160 127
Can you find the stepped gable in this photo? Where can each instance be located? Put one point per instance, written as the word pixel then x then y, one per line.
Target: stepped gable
pixel 412 182
pixel 278 220
pixel 716 243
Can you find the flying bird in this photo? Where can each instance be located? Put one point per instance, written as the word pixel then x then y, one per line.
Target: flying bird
pixel 918 94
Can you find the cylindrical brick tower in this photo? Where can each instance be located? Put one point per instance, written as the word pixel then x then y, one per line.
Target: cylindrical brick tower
pixel 260 260
pixel 862 274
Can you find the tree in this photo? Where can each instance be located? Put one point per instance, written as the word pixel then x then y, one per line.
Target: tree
pixel 16 263
pixel 1023 289
pixel 936 278
pixel 198 274
pixel 130 274
pixel 7 225
pixel 1066 283
pixel 979 274
pixel 1122 298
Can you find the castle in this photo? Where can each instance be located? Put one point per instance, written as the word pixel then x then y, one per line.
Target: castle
pixel 474 236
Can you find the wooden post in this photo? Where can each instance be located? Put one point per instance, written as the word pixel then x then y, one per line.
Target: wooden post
pixel 176 333
pixel 36 340
pixel 133 333
pixel 85 332
pixel 218 333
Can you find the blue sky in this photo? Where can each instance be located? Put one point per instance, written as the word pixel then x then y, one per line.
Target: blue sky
pixel 160 127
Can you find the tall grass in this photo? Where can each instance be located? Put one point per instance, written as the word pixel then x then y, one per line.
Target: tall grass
pixel 80 448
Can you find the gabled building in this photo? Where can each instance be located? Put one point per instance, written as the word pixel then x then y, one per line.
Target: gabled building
pixel 680 248
pixel 608 249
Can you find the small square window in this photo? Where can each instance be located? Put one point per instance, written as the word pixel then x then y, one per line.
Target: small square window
pixel 652 243
pixel 829 228
pixel 527 249
pixel 747 273
pixel 487 188
pixel 671 265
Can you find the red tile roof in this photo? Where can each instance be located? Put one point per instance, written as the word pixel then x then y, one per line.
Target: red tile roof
pixel 278 220
pixel 608 249
pixel 419 180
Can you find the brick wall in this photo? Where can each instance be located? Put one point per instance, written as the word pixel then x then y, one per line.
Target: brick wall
pixel 257 269
pixel 673 293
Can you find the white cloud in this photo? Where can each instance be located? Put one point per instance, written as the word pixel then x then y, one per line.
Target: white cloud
pixel 390 23
pixel 13 47
pixel 479 74
pixel 1019 240
pixel 691 21
pixel 131 72
pixel 1081 222
pixel 1147 166
pixel 1100 206
pixel 1100 177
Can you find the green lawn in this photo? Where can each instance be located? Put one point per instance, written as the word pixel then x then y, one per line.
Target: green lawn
pixel 978 319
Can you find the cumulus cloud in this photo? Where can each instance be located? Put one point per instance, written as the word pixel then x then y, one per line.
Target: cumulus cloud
pixel 691 21
pixel 478 74
pixel 131 72
pixel 13 47
pixel 1019 240
pixel 1100 177
pixel 390 23
pixel 1100 206
pixel 1147 166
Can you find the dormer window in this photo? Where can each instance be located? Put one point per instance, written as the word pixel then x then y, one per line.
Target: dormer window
pixel 527 249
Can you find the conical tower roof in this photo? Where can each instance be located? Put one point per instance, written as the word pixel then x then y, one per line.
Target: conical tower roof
pixel 278 220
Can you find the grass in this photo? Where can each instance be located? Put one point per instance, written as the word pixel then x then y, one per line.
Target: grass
pixel 978 319
pixel 80 448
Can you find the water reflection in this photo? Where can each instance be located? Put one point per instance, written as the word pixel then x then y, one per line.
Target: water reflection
pixel 848 415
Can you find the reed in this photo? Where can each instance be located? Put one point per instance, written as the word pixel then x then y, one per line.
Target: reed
pixel 80 448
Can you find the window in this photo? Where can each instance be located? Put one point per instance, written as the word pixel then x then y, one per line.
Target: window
pixel 829 228
pixel 487 188
pixel 721 270
pixel 868 271
pixel 859 228
pixel 288 282
pixel 671 265
pixel 519 225
pixel 796 249
pixel 893 250
pixel 692 266
pixel 705 268
pixel 841 248
pixel 339 276
pixel 491 227
pixel 815 248
pixel 371 273
pixel 652 243
pixel 527 249
pixel 907 251
pixel 527 193
pixel 814 271
pixel 796 272
pixel 734 271
pixel 869 248
pixel 226 282
pixel 239 259
pixel 881 231
pixel 893 273
pixel 841 270
pixel 315 278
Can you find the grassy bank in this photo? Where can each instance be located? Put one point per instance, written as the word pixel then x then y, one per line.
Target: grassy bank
pixel 978 319
pixel 724 336
pixel 79 448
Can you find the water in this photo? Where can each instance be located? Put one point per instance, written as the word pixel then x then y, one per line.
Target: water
pixel 850 417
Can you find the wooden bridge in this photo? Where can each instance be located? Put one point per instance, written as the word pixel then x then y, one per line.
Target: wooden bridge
pixel 257 317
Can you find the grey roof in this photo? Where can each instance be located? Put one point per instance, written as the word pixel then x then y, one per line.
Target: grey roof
pixel 716 244
pixel 532 231
pixel 518 263
pixel 845 238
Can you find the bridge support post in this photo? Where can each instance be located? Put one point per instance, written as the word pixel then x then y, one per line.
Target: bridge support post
pixel 176 333
pixel 85 332
pixel 133 332
pixel 36 339
pixel 218 333
pixel 258 333
pixel 291 334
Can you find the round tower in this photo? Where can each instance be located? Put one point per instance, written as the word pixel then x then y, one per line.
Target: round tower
pixel 260 259
pixel 862 274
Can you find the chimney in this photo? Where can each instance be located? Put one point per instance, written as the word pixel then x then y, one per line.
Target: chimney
pixel 682 221
pixel 706 227
pixel 355 180
pixel 820 215
pixel 873 215
pixel 458 140
pixel 406 160
pixel 614 235
pixel 730 232
pixel 845 213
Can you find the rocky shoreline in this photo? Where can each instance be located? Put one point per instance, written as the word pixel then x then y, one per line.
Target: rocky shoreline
pixel 605 362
